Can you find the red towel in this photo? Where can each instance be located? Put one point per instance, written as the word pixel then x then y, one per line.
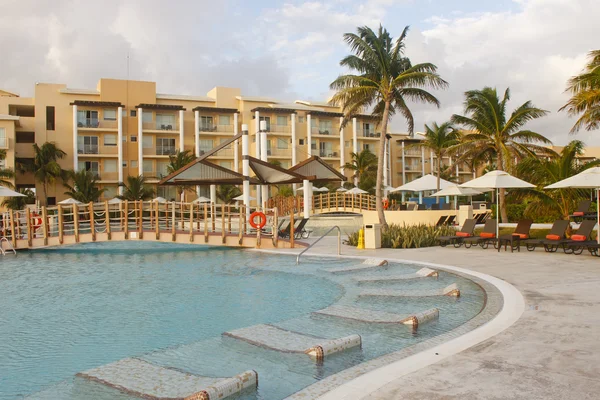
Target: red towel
pixel 552 237
pixel 463 234
pixel 579 238
pixel 579 213
pixel 487 235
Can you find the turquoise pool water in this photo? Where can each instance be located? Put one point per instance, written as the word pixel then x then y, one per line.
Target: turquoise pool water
pixel 68 310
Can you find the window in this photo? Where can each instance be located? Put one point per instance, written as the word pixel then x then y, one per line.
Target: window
pixel 133 113
pixel 325 149
pixel 285 164
pixel 300 120
pixel 148 166
pixel 282 143
pixel 110 115
pixel 147 142
pixel 267 120
pixel 165 121
pixel 281 120
pixel 3 163
pixel 301 142
pixel 52 200
pixel 325 127
pixel 224 120
pixel 87 119
pixel 206 123
pixel 91 166
pixel 50 117
pixel 25 137
pixel 110 140
pixel 170 192
pixel 313 122
pixel 162 168
pixel 313 144
pixel 147 116
pixel 368 129
pixel 133 138
pixel 165 146
pixel 110 165
pixel 205 145
pixel 87 145
pixel 3 137
pixel 133 163
pixel 347 144
pixel 110 192
pixel 369 147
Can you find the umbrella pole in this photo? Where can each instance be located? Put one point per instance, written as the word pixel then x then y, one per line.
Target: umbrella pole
pixel 598 215
pixel 497 213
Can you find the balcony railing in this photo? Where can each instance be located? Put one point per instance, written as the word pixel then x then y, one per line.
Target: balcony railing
pixel 215 128
pixel 333 131
pixel 160 126
pixel 225 152
pixel 371 134
pixel 328 153
pixel 281 128
pixel 412 152
pixel 96 123
pixel 165 150
pixel 276 152
pixel 88 149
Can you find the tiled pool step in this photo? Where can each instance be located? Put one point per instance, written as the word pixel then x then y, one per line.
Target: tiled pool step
pixel 143 379
pixel 450 290
pixel 422 273
pixel 378 317
pixel 274 338
pixel 371 263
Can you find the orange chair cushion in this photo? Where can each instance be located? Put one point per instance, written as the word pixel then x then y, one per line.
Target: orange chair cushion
pixel 552 237
pixel 463 234
pixel 579 213
pixel 579 238
pixel 521 235
pixel 487 235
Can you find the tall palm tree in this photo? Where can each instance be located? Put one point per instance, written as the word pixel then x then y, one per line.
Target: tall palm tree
pixel 85 186
pixel 226 193
pixel 362 163
pixel 494 137
pixel 545 171
pixel 6 174
pixel 585 100
pixel 438 139
pixel 136 189
pixel 19 203
pixel 383 79
pixel 45 166
pixel 178 161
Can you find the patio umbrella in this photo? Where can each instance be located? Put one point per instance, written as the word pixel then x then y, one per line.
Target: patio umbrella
pixel 70 201
pixel 341 189
pixel 115 200
pixel 456 191
pixel 422 184
pixel 497 180
pixel 201 199
pixel 241 198
pixel 588 179
pixel 356 190
pixel 321 189
pixel 159 200
pixel 6 192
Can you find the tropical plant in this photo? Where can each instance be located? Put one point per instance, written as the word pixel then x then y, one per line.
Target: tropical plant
pixel 545 171
pixel 45 166
pixel 6 173
pixel 447 174
pixel 176 162
pixel 19 203
pixel 285 191
pixel 85 186
pixel 438 139
pixel 585 99
pixel 362 163
pixel 227 193
pixel 383 79
pixel 408 236
pixel 136 189
pixel 493 137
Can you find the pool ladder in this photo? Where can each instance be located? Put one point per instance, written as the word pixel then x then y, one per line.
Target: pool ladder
pixel 8 244
pixel 322 236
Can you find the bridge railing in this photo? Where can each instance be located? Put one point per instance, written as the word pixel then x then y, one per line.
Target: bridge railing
pixel 326 202
pixel 134 219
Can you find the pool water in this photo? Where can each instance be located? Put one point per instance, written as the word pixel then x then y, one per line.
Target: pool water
pixel 67 310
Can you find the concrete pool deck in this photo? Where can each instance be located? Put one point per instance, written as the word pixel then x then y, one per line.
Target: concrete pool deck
pixel 551 352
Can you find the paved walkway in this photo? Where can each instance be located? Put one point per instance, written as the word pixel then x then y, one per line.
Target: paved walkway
pixel 551 352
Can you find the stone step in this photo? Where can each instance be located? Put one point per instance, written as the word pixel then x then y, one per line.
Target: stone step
pixel 422 273
pixel 149 381
pixel 450 290
pixel 371 263
pixel 378 317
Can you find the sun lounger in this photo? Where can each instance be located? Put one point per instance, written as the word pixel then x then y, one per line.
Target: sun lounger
pixel 582 209
pixel 466 231
pixel 487 236
pixel 559 228
pixel 441 221
pixel 450 220
pixel 521 232
pixel 300 232
pixel 582 235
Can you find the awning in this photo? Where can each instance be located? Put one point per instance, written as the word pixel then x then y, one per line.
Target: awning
pixel 320 169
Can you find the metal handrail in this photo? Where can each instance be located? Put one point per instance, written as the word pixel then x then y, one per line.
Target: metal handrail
pixel 10 246
pixel 322 236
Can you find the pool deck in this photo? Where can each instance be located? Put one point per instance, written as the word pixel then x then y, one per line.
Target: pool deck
pixel 551 352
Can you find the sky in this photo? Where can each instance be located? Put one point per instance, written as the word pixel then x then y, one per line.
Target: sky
pixel 291 49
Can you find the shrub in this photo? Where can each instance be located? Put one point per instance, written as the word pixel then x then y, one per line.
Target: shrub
pixel 406 237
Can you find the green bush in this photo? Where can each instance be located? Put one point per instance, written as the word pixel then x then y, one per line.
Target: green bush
pixel 407 237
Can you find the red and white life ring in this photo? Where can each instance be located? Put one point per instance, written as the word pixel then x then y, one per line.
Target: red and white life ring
pixel 386 204
pixel 37 220
pixel 262 220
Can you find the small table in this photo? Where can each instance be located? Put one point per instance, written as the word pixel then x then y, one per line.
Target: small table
pixel 512 239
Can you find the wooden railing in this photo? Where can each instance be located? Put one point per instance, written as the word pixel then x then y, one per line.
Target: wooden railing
pixel 325 202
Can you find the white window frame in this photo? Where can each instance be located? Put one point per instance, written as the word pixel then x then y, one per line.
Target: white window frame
pixel 224 120
pixel 112 142
pixel 282 120
pixel 109 114
pixel 147 142
pixel 146 164
pixel 3 141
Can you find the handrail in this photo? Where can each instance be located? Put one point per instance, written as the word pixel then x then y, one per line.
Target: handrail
pixel 322 236
pixel 10 246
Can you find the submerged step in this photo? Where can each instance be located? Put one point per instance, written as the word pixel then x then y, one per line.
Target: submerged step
pixel 378 317
pixel 450 290
pixel 149 381
pixel 278 339
pixel 370 263
pixel 422 273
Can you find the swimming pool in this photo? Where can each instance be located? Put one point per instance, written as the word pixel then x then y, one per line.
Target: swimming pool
pixel 67 310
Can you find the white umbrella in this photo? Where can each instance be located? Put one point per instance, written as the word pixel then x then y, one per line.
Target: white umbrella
pixel 456 191
pixel 201 199
pixel 70 201
pixel 497 180
pixel 6 192
pixel 342 190
pixel 241 198
pixel 321 189
pixel 159 200
pixel 588 179
pixel 422 184
pixel 356 190
pixel 115 200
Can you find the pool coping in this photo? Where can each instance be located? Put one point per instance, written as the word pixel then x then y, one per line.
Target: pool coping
pixel 504 306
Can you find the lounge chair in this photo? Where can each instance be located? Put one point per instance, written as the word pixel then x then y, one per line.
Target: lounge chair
pixel 450 220
pixel 422 207
pixel 441 221
pixel 481 217
pixel 465 232
pixel 285 233
pixel 300 232
pixel 573 244
pixel 403 207
pixel 521 232
pixel 446 206
pixel 435 206
pixel 558 231
pixel 582 209
pixel 485 237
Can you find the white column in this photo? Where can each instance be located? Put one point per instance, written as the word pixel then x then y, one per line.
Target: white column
pixel 264 156
pixel 140 144
pixel 342 149
pixel 306 194
pixel 309 135
pixel 246 169
pixel 431 169
pixel 403 172
pixel 293 124
pixel 236 150
pixel 197 133
pixel 385 166
pixel 422 161
pixel 474 175
pixel 181 136
pixel 120 148
pixel 354 143
pixel 75 157
pixel 213 193
pixel 257 153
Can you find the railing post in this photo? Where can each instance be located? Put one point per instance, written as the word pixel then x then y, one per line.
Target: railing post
pixel 45 225
pixel 258 233
pixel 241 224
pixel 107 219
pixel 141 221
pixel 157 220
pixel 12 228
pixel 223 222
pixel 213 210
pixel 337 201
pixel 191 222
pixel 29 230
pixel 206 222
pixel 360 201
pixel 275 227
pixel 173 221
pixel 228 218
pixel 292 232
pixel 126 219
pixel 76 222
pixel 181 216
pixel 329 200
pixel 61 224
pixel 92 225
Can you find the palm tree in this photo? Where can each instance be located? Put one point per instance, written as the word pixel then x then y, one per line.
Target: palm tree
pixel 45 167
pixel 545 171
pixel 384 80
pixel 493 137
pixel 585 100
pixel 6 173
pixel 362 164
pixel 19 203
pixel 136 189
pixel 438 139
pixel 226 193
pixel 178 161
pixel 85 186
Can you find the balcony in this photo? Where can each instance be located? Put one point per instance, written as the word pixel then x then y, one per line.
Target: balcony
pixel 328 154
pixel 88 149
pixel 412 152
pixel 371 135
pixel 331 131
pixel 165 150
pixel 280 129
pixel 215 128
pixel 160 126
pixel 110 176
pixel 226 152
pixel 279 153
pixel 93 123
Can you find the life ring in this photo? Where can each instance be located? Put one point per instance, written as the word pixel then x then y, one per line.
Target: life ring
pixel 262 217
pixel 386 204
pixel 37 221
